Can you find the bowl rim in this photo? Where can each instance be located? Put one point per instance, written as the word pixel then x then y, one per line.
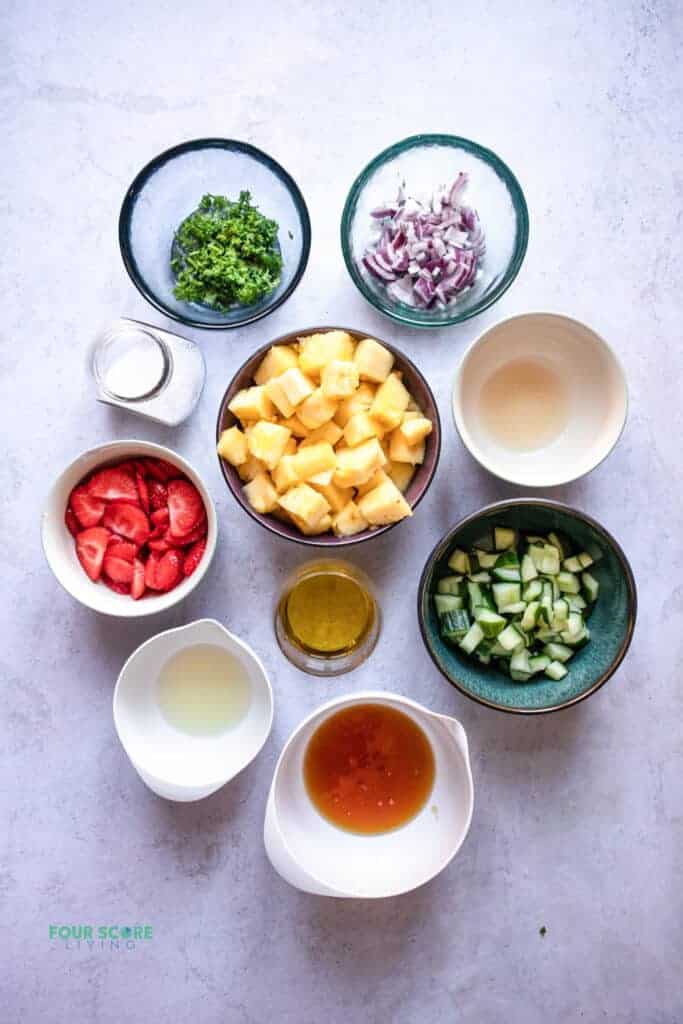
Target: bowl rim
pixel 518 202
pixel 146 607
pixel 502 506
pixel 150 168
pixel 463 432
pixel 266 519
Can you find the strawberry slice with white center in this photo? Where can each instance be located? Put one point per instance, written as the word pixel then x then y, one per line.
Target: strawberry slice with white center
pixel 91 546
pixel 137 587
pixel 86 507
pixel 185 507
pixel 113 484
pixel 127 521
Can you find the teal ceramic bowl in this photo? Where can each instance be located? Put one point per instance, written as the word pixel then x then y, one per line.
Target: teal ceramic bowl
pixel 611 623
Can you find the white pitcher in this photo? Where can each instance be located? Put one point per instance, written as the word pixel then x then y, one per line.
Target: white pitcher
pixel 315 856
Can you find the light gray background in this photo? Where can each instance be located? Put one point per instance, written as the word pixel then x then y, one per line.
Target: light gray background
pixel 577 823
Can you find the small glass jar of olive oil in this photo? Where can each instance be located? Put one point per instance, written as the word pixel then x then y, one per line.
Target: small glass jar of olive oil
pixel 327 620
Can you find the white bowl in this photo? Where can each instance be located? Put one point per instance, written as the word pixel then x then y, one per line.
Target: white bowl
pixel 60 549
pixel 313 855
pixel 176 765
pixel 595 395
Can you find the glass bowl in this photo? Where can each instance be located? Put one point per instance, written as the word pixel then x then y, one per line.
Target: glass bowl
pixel 170 187
pixel 424 163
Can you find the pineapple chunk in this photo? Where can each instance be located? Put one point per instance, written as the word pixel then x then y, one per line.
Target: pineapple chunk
pixel 267 441
pixel 384 504
pixel 401 473
pixel 290 447
pixel 305 504
pixel 316 410
pixel 251 404
pixel 295 386
pixel 317 350
pixel 373 360
pixel 323 478
pixel 377 478
pixel 251 468
pixel 356 465
pixel 360 427
pixel 261 494
pixel 276 394
pixel 278 359
pixel 339 379
pixel 314 459
pixel 285 474
pixel 390 401
pixel 400 451
pixel 360 401
pixel 349 521
pixel 322 527
pixel 294 424
pixel 415 428
pixel 328 432
pixel 233 446
pixel 337 497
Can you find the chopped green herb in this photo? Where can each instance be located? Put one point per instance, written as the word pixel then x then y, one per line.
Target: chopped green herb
pixel 226 253
pixel 542 931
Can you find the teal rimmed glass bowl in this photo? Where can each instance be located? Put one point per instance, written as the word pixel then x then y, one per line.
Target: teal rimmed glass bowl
pixel 169 189
pixel 611 623
pixel 424 163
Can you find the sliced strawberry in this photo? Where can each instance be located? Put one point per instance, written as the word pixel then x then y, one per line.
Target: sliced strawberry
pixel 117 569
pixel 193 557
pixel 160 517
pixel 151 566
pixel 113 484
pixel 120 588
pixel 72 524
pixel 137 587
pixel 161 544
pixel 162 470
pixel 143 491
pixel 87 508
pixel 163 571
pixel 185 507
pixel 91 545
pixel 128 521
pixel 158 495
pixel 121 549
pixel 193 536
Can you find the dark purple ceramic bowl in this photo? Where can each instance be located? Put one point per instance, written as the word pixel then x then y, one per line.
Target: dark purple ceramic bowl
pixel 419 389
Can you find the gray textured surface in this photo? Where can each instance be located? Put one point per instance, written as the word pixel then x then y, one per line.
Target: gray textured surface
pixel 578 816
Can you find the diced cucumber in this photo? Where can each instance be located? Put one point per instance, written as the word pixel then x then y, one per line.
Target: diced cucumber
pixel 490 623
pixel 459 562
pixel 484 658
pixel 558 652
pixel 590 586
pixel 576 602
pixel 450 585
pixel 447 603
pixel 546 601
pixel 539 663
pixel 563 549
pixel 556 670
pixel 532 590
pixel 518 608
pixel 560 610
pixel 568 583
pixel 550 562
pixel 572 564
pixel 530 616
pixel 472 638
pixel 507 567
pixel 454 625
pixel 575 639
pixel 485 558
pixel 503 538
pixel 528 571
pixel 536 553
pixel 505 594
pixel 480 577
pixel 474 595
pixel 511 638
pixel 585 559
pixel 519 662
pixel 574 624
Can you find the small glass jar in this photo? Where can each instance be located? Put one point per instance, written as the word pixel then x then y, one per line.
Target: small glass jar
pixel 327 619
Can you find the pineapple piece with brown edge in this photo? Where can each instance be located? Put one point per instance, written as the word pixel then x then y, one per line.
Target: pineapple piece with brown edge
pixel 349 520
pixel 390 401
pixel 285 474
pixel 317 350
pixel 337 497
pixel 360 401
pixel 384 505
pixel 377 478
pixel 267 441
pixel 232 446
pixel 261 494
pixel 316 410
pixel 356 465
pixel 294 424
pixel 278 359
pixel 296 386
pixel 339 379
pixel 304 504
pixel 328 432
pixel 314 459
pixel 360 427
pixel 401 473
pixel 276 394
pixel 373 360
pixel 251 404
pixel 251 468
pixel 414 429
pixel 399 451
pixel 291 447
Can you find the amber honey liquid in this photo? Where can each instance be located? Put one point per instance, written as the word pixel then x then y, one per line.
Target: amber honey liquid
pixel 524 405
pixel 327 613
pixel 369 768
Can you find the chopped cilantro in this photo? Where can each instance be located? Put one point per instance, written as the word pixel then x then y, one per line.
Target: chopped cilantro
pixel 226 253
pixel 542 931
